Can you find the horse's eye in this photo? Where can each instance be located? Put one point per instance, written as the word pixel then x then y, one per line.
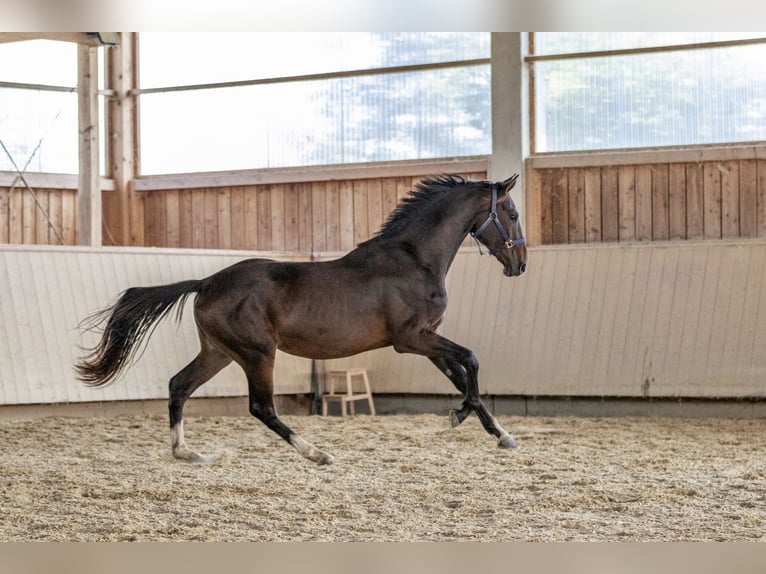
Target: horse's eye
pixel 514 217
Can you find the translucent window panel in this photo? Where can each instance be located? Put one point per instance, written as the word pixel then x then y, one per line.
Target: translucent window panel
pixel 176 59
pixel 31 117
pixel 39 62
pixel 674 98
pixel 424 114
pixel 547 43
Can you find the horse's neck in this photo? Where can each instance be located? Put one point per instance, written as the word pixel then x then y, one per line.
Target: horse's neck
pixel 437 244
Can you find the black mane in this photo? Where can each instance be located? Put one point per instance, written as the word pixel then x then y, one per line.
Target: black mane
pixel 426 193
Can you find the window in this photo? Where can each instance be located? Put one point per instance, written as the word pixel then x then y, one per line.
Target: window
pixel 38 106
pixel 590 94
pixel 281 100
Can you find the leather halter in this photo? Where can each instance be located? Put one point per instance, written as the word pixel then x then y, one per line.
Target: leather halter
pixel 492 218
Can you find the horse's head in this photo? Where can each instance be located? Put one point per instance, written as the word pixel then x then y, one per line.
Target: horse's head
pixel 501 231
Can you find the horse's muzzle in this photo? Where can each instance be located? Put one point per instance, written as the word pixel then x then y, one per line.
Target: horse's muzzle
pixel 511 271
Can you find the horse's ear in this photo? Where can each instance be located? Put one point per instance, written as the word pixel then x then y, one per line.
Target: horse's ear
pixel 510 182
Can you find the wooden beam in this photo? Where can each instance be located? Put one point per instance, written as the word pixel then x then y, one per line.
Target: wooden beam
pixel 123 213
pixel 82 38
pixel 89 181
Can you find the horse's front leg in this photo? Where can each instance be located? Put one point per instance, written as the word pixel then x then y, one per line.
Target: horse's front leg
pixel 461 366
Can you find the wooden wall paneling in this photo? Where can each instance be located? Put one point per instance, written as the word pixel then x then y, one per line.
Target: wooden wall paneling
pixel 610 206
pixel 695 201
pixel 319 217
pixel 28 217
pixel 737 265
pixel 644 211
pixel 660 202
pixel 692 312
pixel 238 214
pixel 677 201
pixel 346 215
pixel 729 199
pixel 41 206
pixel 389 196
pixel 576 198
pixel 545 215
pixel 251 218
pixel 712 200
pixel 532 218
pixel 634 349
pixel 706 310
pixel 626 187
pixel 291 211
pixel 5 215
pixel 223 206
pixel 582 304
pixel 332 210
pixel 621 320
pixel 760 191
pixel 151 218
pixel 305 217
pixel 211 218
pixel 361 228
pixel 277 221
pixel 374 206
pixel 54 214
pixel 609 270
pixel 69 217
pixel 560 206
pixel 172 199
pixel 198 218
pixel 263 194
pixel 748 203
pixel 593 206
pixel 15 223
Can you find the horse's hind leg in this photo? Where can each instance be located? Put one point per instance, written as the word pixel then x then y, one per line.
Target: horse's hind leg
pixel 206 364
pixel 259 370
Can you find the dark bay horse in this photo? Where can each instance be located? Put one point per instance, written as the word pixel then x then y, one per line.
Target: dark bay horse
pixel 390 290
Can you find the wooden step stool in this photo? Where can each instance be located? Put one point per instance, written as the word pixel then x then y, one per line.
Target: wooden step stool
pixel 349 396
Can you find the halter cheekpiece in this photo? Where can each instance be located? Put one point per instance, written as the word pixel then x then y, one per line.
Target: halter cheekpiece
pixel 492 218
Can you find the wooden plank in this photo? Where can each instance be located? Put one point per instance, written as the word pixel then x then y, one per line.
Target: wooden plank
pixel 28 217
pixel 332 215
pixel 41 223
pixel 305 216
pixel 610 205
pixel 263 195
pixel 532 218
pixel 185 218
pixel 576 199
pixel 760 192
pixel 319 217
pixel 251 218
pixel 545 215
pixel 69 217
pixel 54 214
pixel 361 227
pixel 593 207
pixel 238 223
pixel 677 201
pixel 346 215
pixel 223 206
pixel 748 199
pixel 211 219
pixel 291 214
pixel 644 203
pixel 198 218
pixel 695 201
pixel 5 215
pixel 626 188
pixel 560 206
pixel 172 218
pixel 711 214
pixel 277 194
pixel 374 206
pixel 729 199
pixel 660 203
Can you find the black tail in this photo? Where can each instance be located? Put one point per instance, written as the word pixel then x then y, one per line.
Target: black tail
pixel 128 322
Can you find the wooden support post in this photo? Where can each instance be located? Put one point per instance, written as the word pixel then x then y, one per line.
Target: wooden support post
pixel 510 131
pixel 123 210
pixel 89 183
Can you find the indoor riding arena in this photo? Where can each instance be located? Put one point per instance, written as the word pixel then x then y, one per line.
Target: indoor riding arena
pixel 621 340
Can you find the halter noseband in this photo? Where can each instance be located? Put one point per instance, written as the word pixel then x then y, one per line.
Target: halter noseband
pixel 492 218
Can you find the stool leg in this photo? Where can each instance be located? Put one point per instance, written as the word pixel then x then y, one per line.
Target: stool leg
pixel 369 393
pixel 350 390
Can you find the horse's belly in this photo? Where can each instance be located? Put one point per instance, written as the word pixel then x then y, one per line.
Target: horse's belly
pixel 324 341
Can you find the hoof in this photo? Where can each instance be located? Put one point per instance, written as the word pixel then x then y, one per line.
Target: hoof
pixel 324 458
pixel 506 441
pixel 192 457
pixel 453 419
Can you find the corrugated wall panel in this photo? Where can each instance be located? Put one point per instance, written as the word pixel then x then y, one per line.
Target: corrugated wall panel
pixel 659 320
pixel 46 291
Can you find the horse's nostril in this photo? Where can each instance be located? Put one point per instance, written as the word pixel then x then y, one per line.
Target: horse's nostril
pixel 522 267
